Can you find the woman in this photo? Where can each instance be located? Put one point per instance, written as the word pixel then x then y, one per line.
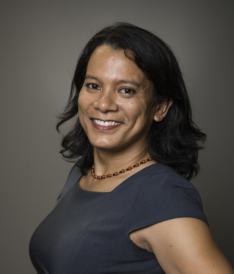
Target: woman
pixel 128 206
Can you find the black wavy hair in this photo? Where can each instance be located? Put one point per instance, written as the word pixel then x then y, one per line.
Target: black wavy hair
pixel 176 140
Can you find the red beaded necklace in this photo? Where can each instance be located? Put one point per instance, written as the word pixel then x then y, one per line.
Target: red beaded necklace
pixel 121 171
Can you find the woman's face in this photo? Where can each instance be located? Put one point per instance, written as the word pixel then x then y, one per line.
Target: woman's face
pixel 114 101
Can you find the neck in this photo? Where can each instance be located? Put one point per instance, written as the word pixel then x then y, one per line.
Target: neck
pixel 108 162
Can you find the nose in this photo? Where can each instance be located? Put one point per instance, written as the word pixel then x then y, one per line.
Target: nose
pixel 106 101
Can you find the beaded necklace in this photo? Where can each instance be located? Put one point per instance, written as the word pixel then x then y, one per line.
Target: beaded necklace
pixel 121 171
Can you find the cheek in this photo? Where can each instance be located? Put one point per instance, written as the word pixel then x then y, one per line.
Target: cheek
pixel 82 109
pixel 83 102
pixel 135 110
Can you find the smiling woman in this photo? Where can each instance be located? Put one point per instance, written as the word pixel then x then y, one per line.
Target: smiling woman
pixel 127 206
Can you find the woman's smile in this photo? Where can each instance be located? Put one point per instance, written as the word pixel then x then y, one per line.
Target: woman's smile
pixel 105 125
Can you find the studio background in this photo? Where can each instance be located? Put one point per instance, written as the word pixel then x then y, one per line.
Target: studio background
pixel 40 44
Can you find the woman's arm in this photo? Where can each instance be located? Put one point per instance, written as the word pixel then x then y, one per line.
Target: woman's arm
pixel 185 246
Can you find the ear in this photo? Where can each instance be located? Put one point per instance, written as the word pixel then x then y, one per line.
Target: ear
pixel 161 110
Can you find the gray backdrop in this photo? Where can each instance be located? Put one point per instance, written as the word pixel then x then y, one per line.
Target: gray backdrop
pixel 40 43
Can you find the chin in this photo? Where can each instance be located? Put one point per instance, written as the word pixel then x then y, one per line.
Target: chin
pixel 105 146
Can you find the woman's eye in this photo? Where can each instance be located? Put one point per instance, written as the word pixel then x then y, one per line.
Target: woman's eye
pixel 128 91
pixel 93 86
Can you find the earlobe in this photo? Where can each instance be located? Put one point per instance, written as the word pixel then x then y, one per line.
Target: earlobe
pixel 157 117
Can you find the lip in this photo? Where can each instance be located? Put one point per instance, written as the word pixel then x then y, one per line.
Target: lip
pixel 105 120
pixel 104 128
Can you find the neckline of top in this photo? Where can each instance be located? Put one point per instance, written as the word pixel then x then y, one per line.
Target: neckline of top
pixel 118 186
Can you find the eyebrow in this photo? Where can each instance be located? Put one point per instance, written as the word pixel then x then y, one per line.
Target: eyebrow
pixel 121 81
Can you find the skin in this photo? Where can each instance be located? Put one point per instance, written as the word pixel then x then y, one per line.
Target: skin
pixel 116 89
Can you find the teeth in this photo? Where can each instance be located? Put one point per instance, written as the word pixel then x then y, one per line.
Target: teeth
pixel 102 123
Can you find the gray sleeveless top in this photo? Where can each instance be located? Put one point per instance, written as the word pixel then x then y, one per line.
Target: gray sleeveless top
pixel 88 232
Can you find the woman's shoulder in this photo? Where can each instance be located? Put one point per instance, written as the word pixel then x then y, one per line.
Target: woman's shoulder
pixel 164 186
pixel 73 177
pixel 164 194
pixel 163 176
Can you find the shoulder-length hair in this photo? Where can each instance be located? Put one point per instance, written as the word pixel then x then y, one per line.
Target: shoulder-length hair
pixel 175 140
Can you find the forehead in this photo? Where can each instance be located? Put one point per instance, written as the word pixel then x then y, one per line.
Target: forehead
pixel 108 63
